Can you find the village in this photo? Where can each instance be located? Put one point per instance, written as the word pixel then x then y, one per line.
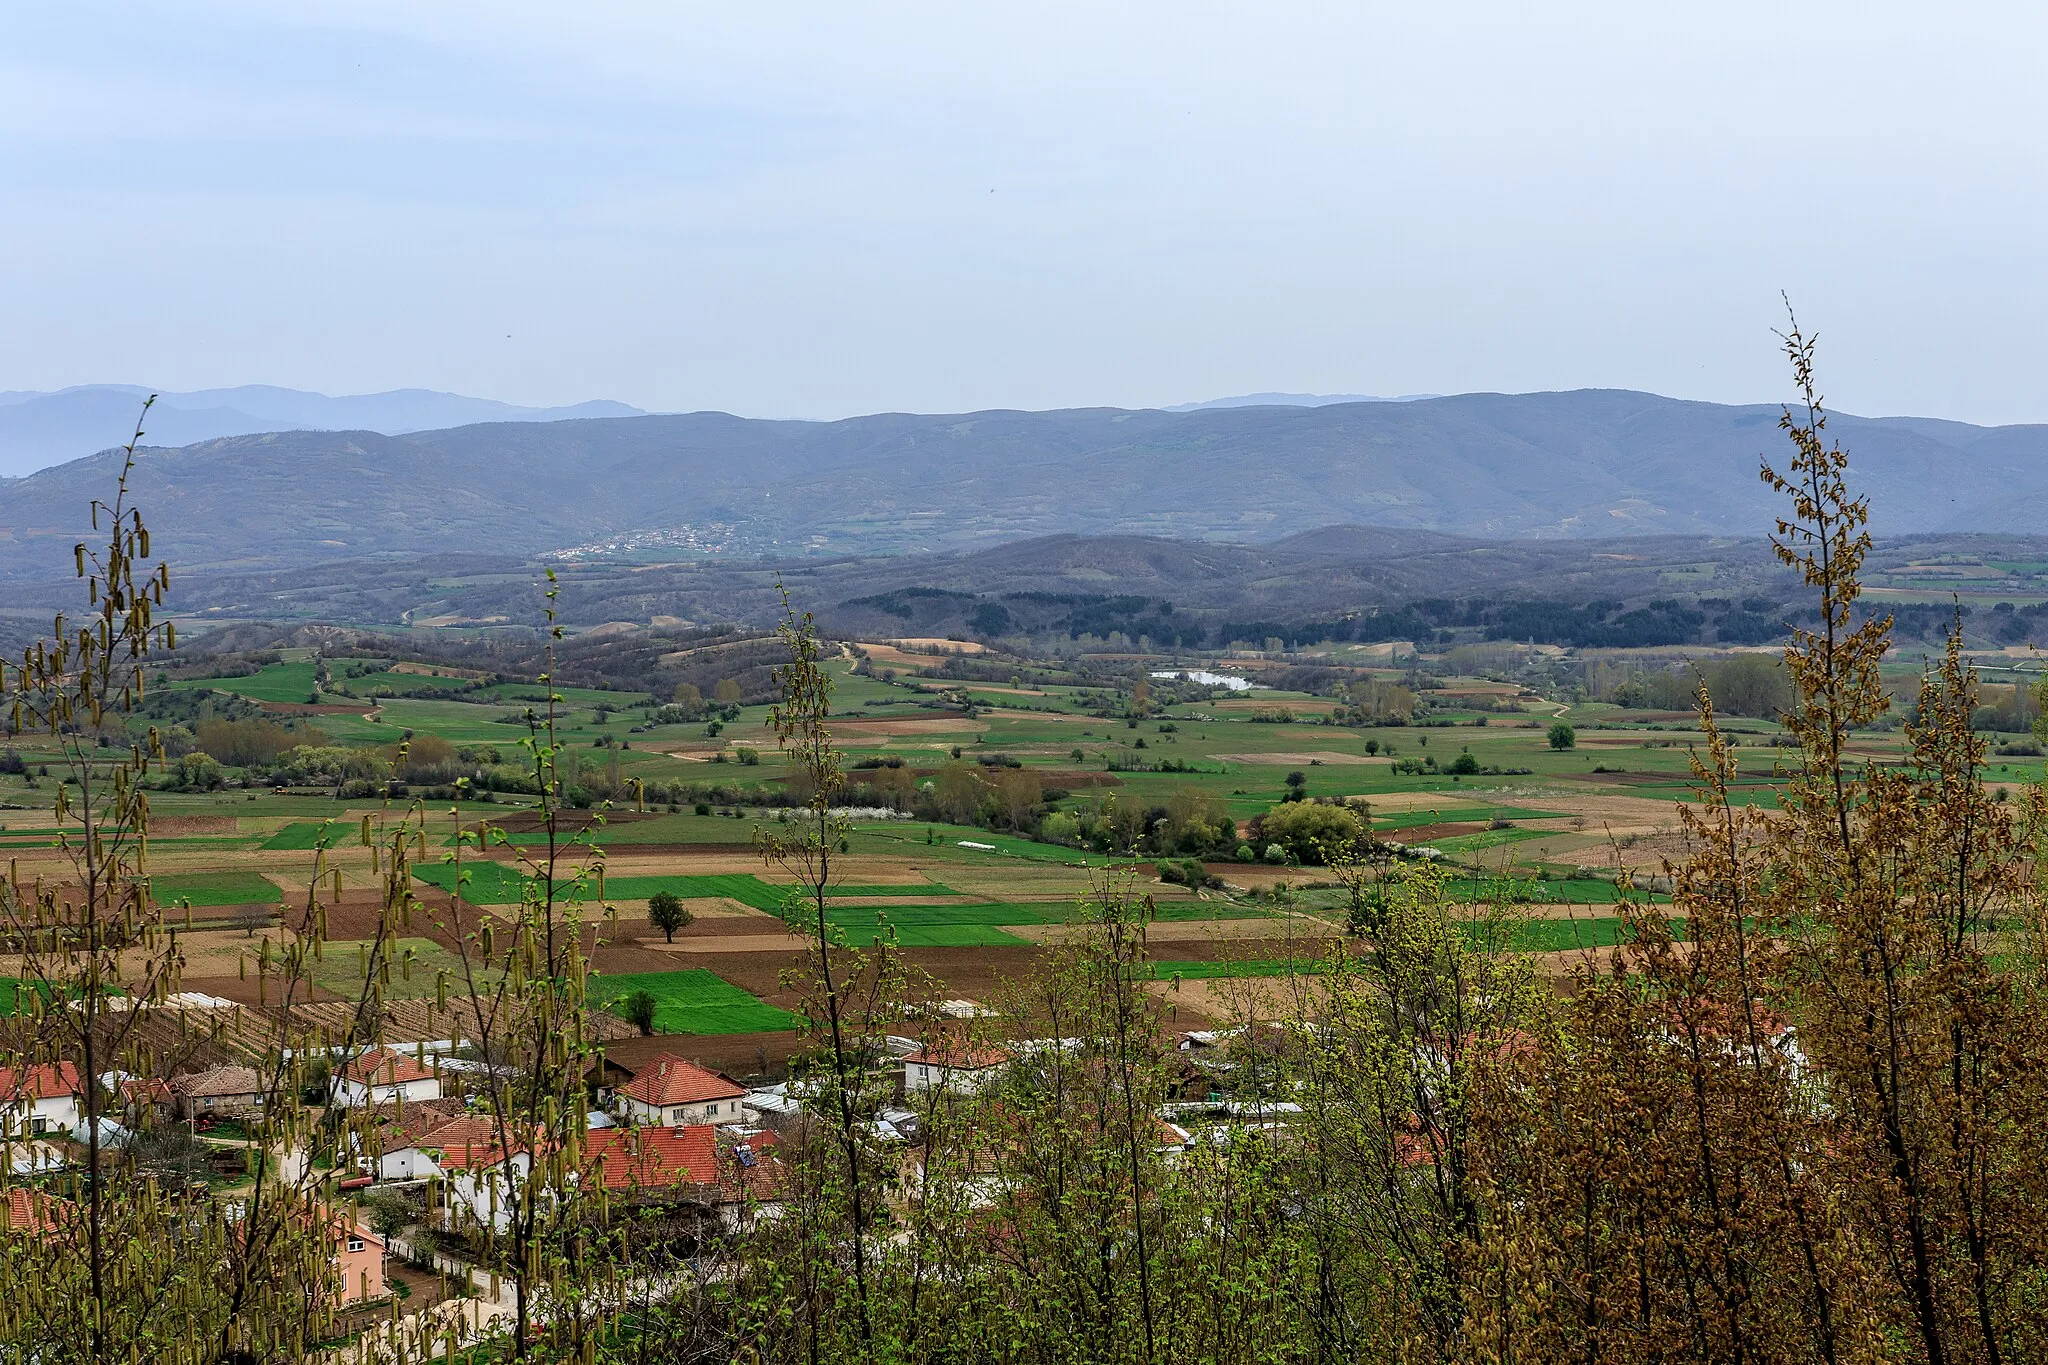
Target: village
pixel 406 1216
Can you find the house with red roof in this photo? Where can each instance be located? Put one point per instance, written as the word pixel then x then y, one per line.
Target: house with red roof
pixel 41 1099
pixel 653 1161
pixel 27 1210
pixel 671 1091
pixel 384 1075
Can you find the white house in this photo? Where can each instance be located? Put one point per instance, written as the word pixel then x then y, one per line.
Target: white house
pixel 679 1094
pixel 384 1075
pixel 956 1068
pixel 408 1145
pixel 41 1099
pixel 483 1181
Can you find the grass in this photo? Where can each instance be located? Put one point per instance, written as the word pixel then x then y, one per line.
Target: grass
pixel 215 888
pixel 695 1001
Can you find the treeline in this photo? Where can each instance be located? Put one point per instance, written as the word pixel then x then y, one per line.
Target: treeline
pixel 1741 685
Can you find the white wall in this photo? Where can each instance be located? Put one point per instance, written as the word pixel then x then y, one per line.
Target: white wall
pixel 682 1115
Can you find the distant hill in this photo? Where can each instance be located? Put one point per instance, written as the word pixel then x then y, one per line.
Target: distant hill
pixel 42 429
pixel 1292 400
pixel 1588 464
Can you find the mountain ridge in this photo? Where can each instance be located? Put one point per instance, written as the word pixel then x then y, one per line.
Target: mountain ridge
pixel 1580 464
pixel 41 428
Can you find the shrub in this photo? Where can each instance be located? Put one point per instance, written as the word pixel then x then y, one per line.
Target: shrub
pixel 1306 831
pixel 637 1008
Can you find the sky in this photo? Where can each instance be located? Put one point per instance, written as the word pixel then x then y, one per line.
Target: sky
pixel 816 210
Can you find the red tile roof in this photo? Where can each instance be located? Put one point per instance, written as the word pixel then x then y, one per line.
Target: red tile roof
pixel 383 1066
pixel 671 1080
pixel 34 1211
pixel 653 1158
pixel 463 1143
pixel 45 1082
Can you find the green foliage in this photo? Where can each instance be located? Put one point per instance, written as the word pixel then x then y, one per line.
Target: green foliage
pixel 666 912
pixel 637 1008
pixel 1562 736
pixel 1307 832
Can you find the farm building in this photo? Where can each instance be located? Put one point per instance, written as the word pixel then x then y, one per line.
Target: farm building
pixel 223 1091
pixel 384 1075
pixel 41 1099
pixel 956 1068
pixel 669 1090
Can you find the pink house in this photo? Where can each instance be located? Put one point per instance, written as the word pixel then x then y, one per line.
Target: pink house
pixel 358 1256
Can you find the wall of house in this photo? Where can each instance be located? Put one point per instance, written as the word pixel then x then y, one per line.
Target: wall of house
pixel 55 1114
pixel 362 1271
pixel 408 1163
pixel 483 1196
pixel 681 1115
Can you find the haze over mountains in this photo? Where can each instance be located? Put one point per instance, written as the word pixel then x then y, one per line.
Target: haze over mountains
pixel 1584 464
pixel 40 429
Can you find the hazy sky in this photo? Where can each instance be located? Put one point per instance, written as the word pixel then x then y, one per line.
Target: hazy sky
pixel 784 209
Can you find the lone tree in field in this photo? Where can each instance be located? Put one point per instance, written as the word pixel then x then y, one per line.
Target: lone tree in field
pixel 1563 737
pixel 666 912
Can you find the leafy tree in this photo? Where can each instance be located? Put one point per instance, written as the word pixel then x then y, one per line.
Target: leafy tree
pixel 666 912
pixel 637 1008
pixel 1563 737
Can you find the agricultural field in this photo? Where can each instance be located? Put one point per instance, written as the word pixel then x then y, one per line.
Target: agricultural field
pixel 1475 789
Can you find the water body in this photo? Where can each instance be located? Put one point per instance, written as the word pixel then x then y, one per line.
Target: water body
pixel 1207 679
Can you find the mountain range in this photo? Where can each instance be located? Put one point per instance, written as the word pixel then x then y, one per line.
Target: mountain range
pixel 39 429
pixel 1586 464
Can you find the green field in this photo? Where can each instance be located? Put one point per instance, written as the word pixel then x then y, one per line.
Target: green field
pixel 307 835
pixel 695 1001
pixel 215 888
pixel 277 682
pixel 14 993
pixel 1207 971
pixel 488 882
pixel 865 935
